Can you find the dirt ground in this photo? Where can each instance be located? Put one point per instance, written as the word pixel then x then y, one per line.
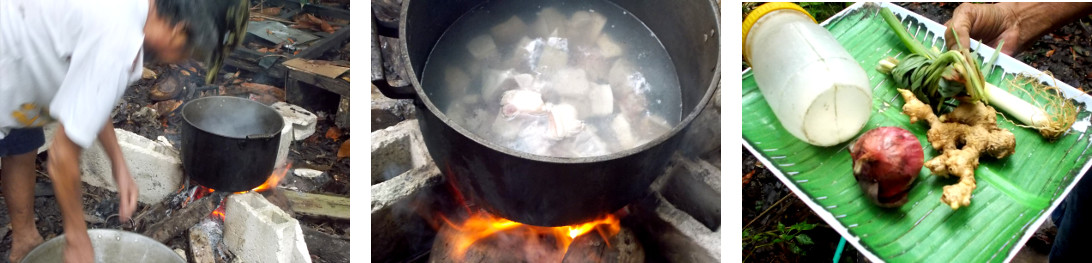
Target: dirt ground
pixel 1065 53
pixel 319 151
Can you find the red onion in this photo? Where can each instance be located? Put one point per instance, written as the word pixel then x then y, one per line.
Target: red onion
pixel 886 161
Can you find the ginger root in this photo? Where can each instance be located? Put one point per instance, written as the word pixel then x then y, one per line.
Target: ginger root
pixel 961 136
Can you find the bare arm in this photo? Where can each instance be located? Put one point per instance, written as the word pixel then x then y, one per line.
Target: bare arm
pixel 127 190
pixel 109 142
pixel 64 170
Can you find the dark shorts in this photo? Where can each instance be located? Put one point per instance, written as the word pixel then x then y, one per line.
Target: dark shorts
pixel 19 141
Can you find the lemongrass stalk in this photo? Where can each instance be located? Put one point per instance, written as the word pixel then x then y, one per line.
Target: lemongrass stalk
pixel 910 42
pixel 1021 110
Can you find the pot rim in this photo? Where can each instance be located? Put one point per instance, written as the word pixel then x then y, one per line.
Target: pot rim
pixel 241 100
pixel 423 97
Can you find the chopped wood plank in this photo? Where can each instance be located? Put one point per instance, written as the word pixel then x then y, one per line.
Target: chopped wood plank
pixel 200 246
pixel 339 86
pixel 183 219
pixel 319 204
pixel 318 67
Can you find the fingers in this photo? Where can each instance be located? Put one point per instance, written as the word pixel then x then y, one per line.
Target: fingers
pixel 960 25
pixel 128 201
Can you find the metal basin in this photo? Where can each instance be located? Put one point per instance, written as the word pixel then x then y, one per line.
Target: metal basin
pixel 110 246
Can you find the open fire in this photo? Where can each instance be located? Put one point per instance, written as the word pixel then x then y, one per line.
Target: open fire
pixel 482 225
pixel 270 183
pixel 481 230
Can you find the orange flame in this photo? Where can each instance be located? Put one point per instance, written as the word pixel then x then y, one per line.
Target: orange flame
pixel 482 225
pixel 219 213
pixel 273 180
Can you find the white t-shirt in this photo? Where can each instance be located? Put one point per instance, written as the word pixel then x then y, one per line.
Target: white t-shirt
pixel 69 61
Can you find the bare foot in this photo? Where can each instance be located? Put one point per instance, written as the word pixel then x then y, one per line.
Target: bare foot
pixel 21 245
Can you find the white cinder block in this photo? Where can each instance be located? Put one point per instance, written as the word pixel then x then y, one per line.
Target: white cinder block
pixel 255 230
pixel 303 121
pixel 156 168
pixel 287 137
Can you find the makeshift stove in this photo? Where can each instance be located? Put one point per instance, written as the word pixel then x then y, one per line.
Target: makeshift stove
pixel 200 214
pixel 418 216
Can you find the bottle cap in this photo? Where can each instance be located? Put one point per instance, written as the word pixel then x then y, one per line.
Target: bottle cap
pixel 764 9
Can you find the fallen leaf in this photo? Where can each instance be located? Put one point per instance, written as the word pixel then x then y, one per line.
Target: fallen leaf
pixel 167 106
pixel 333 133
pixel 326 27
pixel 270 32
pixel 187 73
pixel 1049 53
pixel 192 69
pixel 343 152
pixel 276 92
pixel 747 177
pixel 263 50
pixel 296 53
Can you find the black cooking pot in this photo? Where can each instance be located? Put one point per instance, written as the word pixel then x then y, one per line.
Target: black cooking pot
pixel 228 143
pixel 551 191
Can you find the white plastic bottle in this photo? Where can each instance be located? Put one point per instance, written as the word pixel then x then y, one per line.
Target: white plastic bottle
pixel 817 90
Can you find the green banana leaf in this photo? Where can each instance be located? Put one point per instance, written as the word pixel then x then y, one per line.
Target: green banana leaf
pixel 1014 195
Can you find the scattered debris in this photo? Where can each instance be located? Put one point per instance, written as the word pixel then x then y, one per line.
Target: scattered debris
pixel 307 173
pixel 148 74
pixel 309 21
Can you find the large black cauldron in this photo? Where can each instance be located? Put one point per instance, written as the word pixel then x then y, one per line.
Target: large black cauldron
pixel 549 191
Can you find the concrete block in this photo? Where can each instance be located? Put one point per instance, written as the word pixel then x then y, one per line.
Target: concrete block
pixel 387 112
pixel 396 150
pixel 287 137
pixel 255 230
pixel 155 167
pixel 303 121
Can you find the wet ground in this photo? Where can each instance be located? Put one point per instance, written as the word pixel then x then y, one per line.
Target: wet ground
pixel 1065 53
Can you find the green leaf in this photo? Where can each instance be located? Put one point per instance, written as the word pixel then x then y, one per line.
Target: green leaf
pixel 794 248
pixel 1004 206
pixel 804 239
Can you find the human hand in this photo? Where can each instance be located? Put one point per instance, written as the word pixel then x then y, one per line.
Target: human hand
pixel 128 193
pixel 78 248
pixel 990 23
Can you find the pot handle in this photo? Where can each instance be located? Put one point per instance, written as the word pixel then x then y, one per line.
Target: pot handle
pixel 261 136
pixel 379 78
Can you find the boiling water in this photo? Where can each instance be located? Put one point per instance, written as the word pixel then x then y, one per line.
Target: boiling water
pixel 557 78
